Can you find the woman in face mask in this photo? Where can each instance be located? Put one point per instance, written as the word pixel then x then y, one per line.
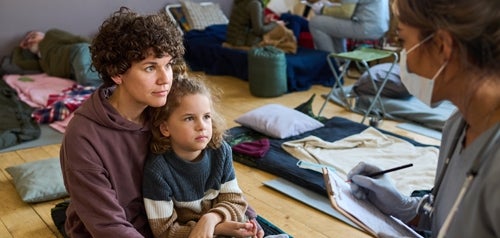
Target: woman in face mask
pixel 451 52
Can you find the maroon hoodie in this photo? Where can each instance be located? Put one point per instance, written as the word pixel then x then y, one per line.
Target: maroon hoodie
pixel 102 158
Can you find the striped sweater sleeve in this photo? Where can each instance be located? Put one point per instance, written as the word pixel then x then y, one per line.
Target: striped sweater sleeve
pixel 158 203
pixel 230 203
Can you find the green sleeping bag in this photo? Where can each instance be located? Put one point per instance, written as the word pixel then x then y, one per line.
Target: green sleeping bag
pixel 267 71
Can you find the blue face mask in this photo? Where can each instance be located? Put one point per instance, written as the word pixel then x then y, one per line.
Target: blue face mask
pixel 417 85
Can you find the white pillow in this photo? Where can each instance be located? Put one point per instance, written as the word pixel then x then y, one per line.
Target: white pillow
pixel 201 15
pixel 278 121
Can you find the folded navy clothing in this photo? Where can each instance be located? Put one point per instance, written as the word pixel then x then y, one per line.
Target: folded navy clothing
pixel 257 148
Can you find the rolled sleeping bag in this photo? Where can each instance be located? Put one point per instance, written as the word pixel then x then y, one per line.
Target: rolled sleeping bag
pixel 267 71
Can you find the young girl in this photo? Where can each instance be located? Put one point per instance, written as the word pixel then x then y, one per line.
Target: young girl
pixel 189 187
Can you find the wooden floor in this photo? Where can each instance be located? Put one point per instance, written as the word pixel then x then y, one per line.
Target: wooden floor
pixel 21 220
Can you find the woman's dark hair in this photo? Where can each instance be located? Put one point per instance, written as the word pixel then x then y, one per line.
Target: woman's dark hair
pixel 474 26
pixel 127 37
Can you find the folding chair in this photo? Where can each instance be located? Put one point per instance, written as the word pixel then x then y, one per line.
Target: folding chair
pixel 362 57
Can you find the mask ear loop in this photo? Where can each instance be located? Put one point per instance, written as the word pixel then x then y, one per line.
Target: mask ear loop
pixel 420 43
pixel 440 70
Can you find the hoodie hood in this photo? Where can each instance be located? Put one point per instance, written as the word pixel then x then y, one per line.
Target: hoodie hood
pixel 98 109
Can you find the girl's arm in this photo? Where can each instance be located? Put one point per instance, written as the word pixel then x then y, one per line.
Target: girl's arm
pixel 162 219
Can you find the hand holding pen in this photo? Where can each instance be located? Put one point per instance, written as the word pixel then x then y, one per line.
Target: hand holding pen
pixel 382 172
pixel 367 182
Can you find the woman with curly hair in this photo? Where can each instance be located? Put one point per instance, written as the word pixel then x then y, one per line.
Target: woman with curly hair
pixel 106 142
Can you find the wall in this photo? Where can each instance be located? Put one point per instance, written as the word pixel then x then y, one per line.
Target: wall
pixel 81 17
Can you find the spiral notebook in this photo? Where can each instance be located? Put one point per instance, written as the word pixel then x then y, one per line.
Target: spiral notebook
pixel 362 212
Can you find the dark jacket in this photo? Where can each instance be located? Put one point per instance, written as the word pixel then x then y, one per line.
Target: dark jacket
pixel 16 123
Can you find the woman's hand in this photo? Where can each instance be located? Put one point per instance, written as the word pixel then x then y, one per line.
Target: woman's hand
pixel 381 192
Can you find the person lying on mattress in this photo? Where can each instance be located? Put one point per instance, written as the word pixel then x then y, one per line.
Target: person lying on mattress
pixel 451 51
pixel 57 53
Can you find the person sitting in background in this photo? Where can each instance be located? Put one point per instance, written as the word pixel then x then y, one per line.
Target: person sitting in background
pixel 337 20
pixel 247 24
pixel 57 53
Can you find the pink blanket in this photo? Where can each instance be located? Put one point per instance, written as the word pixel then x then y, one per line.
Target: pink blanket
pixel 34 89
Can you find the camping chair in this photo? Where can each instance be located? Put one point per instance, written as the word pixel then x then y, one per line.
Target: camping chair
pixel 362 57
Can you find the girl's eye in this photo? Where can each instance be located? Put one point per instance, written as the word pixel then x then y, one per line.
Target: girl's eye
pixel 207 116
pixel 149 68
pixel 188 119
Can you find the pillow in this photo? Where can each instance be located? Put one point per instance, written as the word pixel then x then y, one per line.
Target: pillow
pixel 201 15
pixel 394 88
pixel 175 11
pixel 278 121
pixel 38 181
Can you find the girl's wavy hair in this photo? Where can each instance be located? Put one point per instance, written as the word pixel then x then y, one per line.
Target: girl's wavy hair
pixel 183 86
pixel 127 37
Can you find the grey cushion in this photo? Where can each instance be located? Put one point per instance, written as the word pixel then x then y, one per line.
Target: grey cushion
pixel 394 88
pixel 201 15
pixel 38 181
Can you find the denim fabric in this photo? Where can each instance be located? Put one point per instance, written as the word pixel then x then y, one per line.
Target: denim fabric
pixel 81 63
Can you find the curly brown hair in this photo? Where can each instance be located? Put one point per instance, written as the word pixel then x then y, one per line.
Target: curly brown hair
pixel 127 37
pixel 184 86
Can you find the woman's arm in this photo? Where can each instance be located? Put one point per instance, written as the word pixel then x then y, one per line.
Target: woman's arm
pixel 257 19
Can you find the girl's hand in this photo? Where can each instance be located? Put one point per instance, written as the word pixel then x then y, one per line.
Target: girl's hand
pixel 205 227
pixel 236 229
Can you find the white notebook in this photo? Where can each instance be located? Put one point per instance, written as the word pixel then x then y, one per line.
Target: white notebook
pixel 362 212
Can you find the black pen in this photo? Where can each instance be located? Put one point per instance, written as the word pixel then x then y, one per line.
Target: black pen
pixel 372 175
